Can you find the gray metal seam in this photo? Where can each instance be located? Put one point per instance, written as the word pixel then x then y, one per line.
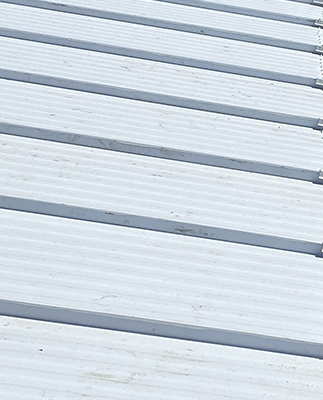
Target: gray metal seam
pixel 235 9
pixel 155 56
pixel 149 21
pixel 160 328
pixel 162 152
pixel 161 225
pixel 320 47
pixel 157 98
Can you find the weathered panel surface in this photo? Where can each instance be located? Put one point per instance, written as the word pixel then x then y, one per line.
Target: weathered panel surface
pixel 135 273
pixel 159 83
pixel 190 19
pixel 161 131
pixel 170 190
pixel 58 360
pixel 159 44
pixel 273 9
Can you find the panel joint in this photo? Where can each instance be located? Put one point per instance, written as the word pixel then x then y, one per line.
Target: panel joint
pixel 319 83
pixel 320 255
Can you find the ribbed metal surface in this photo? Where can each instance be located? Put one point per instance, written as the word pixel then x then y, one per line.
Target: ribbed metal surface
pixel 95 120
pixel 274 9
pixel 164 189
pixel 58 361
pixel 196 20
pixel 100 268
pixel 160 44
pixel 156 172
pixel 159 83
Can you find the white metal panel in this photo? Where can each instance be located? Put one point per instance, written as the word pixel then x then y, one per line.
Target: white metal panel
pixel 135 273
pixel 144 186
pixel 160 83
pixel 56 361
pixel 274 9
pixel 98 121
pixel 196 20
pixel 315 2
pixel 159 44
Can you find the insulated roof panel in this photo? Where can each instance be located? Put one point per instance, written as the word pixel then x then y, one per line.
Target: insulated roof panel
pixel 58 361
pixel 160 83
pixel 135 273
pixel 164 189
pixel 160 44
pixel 161 131
pixel 190 19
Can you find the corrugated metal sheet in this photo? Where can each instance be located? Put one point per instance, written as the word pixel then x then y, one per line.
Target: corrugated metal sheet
pixel 99 268
pixel 160 44
pixel 208 196
pixel 159 83
pixel 161 131
pixel 190 19
pixel 55 361
pixel 273 9
pixel 132 133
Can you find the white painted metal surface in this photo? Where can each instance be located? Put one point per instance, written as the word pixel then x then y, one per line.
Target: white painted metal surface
pixel 160 44
pixel 159 83
pixel 56 361
pixel 111 191
pixel 191 19
pixel 209 196
pixel 161 131
pixel 274 9
pixel 100 268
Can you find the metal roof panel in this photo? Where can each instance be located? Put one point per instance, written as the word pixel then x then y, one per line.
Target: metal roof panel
pixel 59 360
pixel 157 130
pixel 160 44
pixel 131 272
pixel 274 9
pixel 196 20
pixel 160 83
pixel 171 190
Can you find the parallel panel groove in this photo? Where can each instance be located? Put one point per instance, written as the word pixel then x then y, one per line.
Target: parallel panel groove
pixel 161 225
pixel 103 268
pixel 159 44
pixel 276 10
pixel 161 189
pixel 160 329
pixel 161 131
pixel 160 83
pixel 189 19
pixel 57 361
pixel 164 152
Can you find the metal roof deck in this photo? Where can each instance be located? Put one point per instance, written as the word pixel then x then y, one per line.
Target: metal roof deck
pixel 160 83
pixel 161 199
pixel 187 280
pixel 274 9
pixel 161 131
pixel 56 361
pixel 157 44
pixel 191 19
